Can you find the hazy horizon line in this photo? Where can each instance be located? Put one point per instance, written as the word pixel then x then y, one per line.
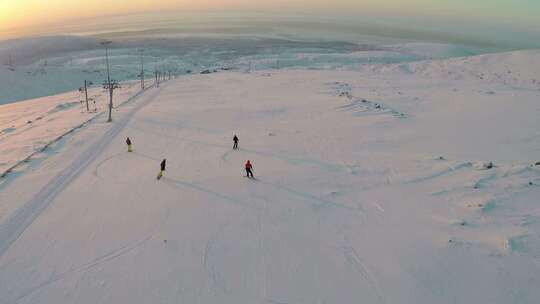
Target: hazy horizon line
pixel 219 18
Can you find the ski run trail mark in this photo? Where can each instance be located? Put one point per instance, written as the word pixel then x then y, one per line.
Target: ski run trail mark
pixel 354 260
pixel 114 254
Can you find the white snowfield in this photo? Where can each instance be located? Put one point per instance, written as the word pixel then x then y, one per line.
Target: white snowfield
pixel 373 186
pixel 26 127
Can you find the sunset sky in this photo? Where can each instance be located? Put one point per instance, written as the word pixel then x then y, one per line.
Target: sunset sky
pixel 24 15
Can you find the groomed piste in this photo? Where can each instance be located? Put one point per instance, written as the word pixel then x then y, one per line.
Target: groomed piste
pixel 396 183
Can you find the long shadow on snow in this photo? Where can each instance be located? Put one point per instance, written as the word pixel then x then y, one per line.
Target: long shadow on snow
pixel 114 156
pixel 328 167
pixel 177 183
pixel 320 203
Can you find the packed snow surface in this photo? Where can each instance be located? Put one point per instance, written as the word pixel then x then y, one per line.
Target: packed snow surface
pixel 398 183
pixel 27 127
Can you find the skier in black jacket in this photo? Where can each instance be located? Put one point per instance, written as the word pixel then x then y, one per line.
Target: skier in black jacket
pixel 129 144
pixel 235 140
pixel 162 169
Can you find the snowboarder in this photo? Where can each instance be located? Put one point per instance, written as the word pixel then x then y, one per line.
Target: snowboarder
pixel 162 170
pixel 129 144
pixel 249 170
pixel 235 140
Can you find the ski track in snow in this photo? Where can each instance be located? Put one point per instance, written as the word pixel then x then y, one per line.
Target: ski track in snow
pixel 114 156
pixel 103 162
pixel 112 255
pixel 261 214
pixel 378 207
pixel 216 277
pixel 15 225
pixel 329 167
pixel 283 218
pixel 318 205
pixel 354 260
pixel 225 156
pixel 235 201
pixel 321 203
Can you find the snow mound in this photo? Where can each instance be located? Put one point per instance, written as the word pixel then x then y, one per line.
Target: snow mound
pixel 511 69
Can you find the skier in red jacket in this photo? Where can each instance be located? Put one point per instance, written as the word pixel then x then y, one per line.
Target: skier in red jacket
pixel 249 169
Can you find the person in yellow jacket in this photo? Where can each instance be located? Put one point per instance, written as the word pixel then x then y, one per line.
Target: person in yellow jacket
pixel 129 144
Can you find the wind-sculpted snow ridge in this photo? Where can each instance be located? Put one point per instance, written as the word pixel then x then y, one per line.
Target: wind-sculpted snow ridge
pixel 360 106
pixel 490 207
pixel 506 70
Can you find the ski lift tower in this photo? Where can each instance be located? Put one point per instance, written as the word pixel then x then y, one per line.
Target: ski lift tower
pixel 109 84
pixel 142 68
pixel 85 91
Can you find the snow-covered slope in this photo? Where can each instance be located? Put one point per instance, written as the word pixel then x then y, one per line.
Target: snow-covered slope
pixel 36 67
pixel 514 69
pixel 373 186
pixel 27 127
